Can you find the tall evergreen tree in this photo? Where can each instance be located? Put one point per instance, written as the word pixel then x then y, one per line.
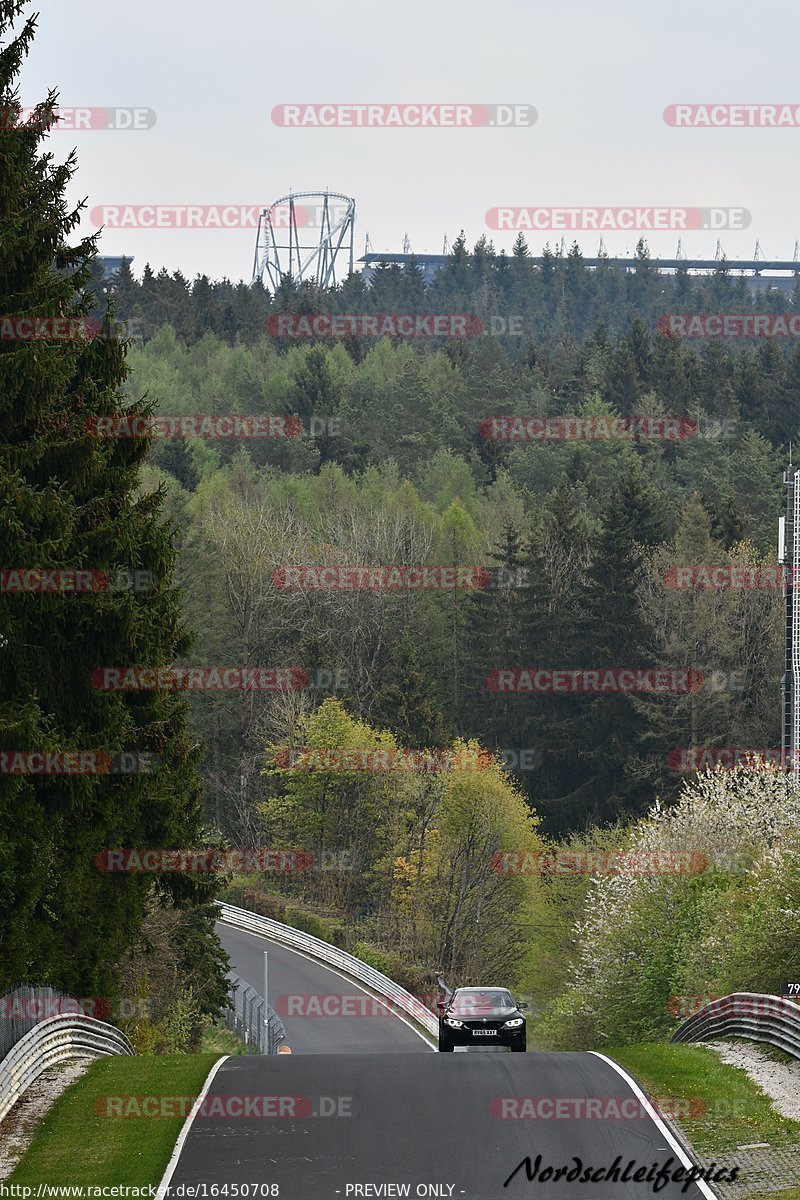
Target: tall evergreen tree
pixel 614 635
pixel 70 500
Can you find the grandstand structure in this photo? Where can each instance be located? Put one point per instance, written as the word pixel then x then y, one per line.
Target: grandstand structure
pixel 762 274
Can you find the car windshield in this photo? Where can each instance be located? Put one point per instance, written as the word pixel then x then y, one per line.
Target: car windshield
pixel 476 1000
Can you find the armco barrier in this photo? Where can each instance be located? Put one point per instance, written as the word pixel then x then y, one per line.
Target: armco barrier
pixel 400 999
pixel 26 1004
pixel 771 1019
pixel 55 1040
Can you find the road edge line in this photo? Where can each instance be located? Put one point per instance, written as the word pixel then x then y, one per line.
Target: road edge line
pixel 187 1124
pixel 655 1117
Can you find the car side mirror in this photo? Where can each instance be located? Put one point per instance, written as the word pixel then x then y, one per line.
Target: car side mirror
pixel 522 1006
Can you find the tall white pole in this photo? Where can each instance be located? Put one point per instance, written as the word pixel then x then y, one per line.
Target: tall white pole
pixel 266 1001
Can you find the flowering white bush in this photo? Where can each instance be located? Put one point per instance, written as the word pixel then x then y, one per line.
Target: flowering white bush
pixel 644 938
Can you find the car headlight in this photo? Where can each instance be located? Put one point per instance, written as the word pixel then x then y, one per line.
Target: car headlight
pixel 453 1023
pixel 514 1023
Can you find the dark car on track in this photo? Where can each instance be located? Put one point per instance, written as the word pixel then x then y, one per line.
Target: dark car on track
pixel 482 1017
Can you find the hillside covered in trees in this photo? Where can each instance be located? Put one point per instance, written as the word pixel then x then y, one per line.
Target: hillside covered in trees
pixel 579 539
pixel 393 466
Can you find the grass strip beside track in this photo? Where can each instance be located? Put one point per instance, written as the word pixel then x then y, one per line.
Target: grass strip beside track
pixel 76 1144
pixel 728 1109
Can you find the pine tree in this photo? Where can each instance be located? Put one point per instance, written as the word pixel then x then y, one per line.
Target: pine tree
pixel 496 620
pixel 70 500
pixel 613 634
pixel 407 703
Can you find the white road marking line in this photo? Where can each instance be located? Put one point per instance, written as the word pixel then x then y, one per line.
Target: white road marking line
pixel 662 1128
pixel 187 1124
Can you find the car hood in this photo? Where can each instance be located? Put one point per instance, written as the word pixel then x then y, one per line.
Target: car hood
pixel 478 1014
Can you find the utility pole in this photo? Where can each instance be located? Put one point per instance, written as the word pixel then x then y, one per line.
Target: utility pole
pixel 266 1003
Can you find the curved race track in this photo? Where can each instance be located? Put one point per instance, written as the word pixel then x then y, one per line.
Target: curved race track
pixel 353 1114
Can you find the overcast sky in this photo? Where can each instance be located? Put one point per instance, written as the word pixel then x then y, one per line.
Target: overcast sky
pixel 598 75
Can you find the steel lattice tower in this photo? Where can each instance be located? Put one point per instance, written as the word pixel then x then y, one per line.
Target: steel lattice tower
pixel 287 244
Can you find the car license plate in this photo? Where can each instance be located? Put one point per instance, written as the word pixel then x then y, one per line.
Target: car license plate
pixel 484 1032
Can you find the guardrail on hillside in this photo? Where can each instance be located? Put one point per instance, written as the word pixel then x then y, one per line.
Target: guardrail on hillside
pixel 245 1016
pixel 52 1041
pixel 771 1019
pixel 324 952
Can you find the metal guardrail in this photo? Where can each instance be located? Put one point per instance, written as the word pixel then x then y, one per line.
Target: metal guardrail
pixel 26 1004
pixel 771 1019
pixel 246 1018
pixel 55 1040
pixel 324 952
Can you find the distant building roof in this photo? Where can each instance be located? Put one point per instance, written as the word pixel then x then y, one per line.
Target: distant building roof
pixel 756 266
pixel 112 263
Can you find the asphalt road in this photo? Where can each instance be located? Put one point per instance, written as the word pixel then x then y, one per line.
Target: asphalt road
pixel 291 975
pixel 330 1123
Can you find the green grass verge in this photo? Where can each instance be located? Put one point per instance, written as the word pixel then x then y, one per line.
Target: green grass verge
pixel 218 1039
pixel 723 1107
pixel 76 1145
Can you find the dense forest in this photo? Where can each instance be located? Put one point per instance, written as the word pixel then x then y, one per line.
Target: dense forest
pixel 575 547
pixel 393 466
